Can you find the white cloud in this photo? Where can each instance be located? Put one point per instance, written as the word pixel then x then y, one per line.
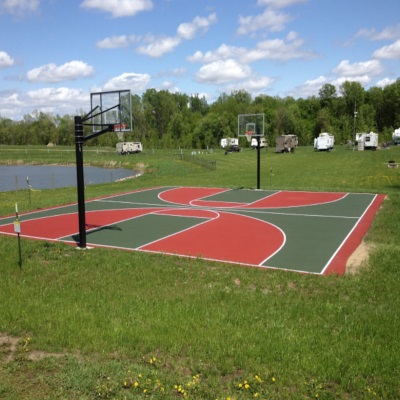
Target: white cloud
pixel 364 80
pixel 9 101
pixel 188 30
pixel 389 33
pixel 384 82
pixel 391 51
pixel 271 20
pixel 254 85
pixel 5 60
pixel 51 73
pixel 359 69
pixel 46 95
pixel 19 7
pixel 60 101
pixel 137 83
pixel 158 46
pixel 310 87
pixel 171 87
pixel 361 72
pixel 119 8
pixel 56 100
pixel 114 42
pixel 279 3
pixel 223 71
pixel 9 104
pixel 274 49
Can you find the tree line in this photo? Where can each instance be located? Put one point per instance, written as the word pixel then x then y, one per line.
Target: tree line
pixel 175 120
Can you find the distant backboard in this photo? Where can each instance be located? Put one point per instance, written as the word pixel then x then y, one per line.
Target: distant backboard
pixel 111 108
pixel 251 124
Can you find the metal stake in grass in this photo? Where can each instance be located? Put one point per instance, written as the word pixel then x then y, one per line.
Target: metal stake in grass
pixel 29 189
pixel 17 230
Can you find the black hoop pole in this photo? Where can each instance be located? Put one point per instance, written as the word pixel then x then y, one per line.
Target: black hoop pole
pixel 258 161
pixel 80 181
pixel 79 140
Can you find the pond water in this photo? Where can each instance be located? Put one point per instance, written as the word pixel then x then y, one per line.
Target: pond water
pixel 17 177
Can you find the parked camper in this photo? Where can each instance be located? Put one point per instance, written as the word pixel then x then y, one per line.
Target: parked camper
pixel 396 136
pixel 263 143
pixel 286 143
pixel 324 141
pixel 226 142
pixel 129 147
pixel 230 144
pixel 367 141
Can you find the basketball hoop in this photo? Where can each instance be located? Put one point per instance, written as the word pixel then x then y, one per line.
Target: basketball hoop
pixel 249 135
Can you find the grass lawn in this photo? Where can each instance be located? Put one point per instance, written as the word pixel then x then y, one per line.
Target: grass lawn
pixel 108 324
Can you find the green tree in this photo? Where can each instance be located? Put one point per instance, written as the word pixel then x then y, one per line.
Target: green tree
pixel 327 94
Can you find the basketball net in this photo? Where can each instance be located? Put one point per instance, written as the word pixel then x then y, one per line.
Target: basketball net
pixel 119 131
pixel 249 134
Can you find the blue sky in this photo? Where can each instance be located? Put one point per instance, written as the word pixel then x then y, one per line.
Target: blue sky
pixel 54 53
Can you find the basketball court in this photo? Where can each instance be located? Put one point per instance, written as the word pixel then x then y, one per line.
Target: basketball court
pixel 309 232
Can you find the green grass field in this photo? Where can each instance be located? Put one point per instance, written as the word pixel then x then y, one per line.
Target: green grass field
pixel 107 324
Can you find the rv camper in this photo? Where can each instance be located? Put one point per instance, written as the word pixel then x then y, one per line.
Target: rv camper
pixel 396 136
pixel 286 143
pixel 324 141
pixel 263 143
pixel 230 144
pixel 367 141
pixel 123 148
pixel 226 142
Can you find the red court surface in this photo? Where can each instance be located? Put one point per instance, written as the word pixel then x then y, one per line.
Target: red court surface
pixel 309 232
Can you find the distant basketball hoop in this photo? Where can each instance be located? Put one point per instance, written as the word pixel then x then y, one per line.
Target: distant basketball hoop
pixel 252 126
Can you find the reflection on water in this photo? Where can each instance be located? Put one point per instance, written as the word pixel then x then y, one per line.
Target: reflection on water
pixel 17 177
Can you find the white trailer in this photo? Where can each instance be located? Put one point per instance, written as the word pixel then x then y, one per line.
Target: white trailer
pixel 325 141
pixel 263 143
pixel 396 136
pixel 367 141
pixel 123 148
pixel 228 142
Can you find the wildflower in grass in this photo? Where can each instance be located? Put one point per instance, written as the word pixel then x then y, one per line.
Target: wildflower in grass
pixel 371 391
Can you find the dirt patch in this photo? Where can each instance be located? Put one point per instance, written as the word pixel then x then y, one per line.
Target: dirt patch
pixel 12 347
pixel 359 258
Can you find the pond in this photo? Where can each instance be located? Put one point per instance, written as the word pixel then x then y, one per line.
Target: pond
pixel 17 177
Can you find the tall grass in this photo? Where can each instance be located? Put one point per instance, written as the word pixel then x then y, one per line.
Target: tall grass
pixel 199 329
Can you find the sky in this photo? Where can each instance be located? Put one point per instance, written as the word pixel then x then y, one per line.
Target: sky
pixel 54 53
